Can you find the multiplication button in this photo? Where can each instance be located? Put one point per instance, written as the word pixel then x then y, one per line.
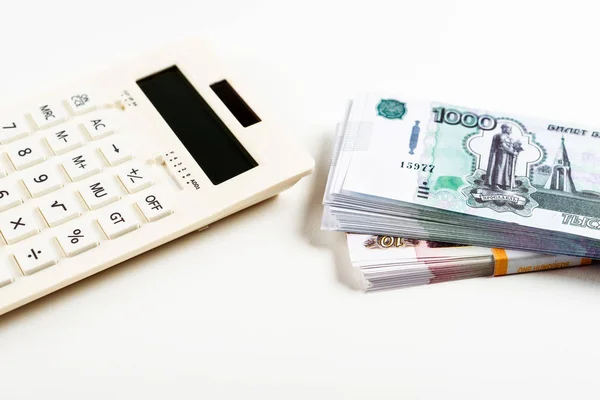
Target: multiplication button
pixel 17 226
pixel 36 256
pixel 153 207
pixel 76 239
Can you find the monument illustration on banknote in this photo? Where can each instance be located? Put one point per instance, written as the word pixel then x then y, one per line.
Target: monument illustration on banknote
pixel 497 182
pixel 511 169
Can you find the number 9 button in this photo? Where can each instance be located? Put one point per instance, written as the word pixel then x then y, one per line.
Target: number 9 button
pixel 40 181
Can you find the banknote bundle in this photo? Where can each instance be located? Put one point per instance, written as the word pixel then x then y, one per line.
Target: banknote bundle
pixel 388 262
pixel 438 172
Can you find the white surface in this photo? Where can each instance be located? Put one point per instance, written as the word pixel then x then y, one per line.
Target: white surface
pixel 256 306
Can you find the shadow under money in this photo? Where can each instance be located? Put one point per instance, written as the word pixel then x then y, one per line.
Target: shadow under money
pixel 333 241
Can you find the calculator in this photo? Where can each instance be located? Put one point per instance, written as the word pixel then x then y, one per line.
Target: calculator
pixel 110 167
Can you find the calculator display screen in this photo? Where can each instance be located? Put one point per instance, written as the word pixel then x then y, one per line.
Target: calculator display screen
pixel 205 136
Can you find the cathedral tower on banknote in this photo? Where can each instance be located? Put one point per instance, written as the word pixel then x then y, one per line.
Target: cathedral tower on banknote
pixel 561 179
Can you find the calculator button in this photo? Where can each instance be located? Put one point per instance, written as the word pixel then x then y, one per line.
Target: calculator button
pixel 153 208
pixel 82 164
pixel 81 103
pixel 36 256
pixel 9 196
pixel 25 154
pixel 13 129
pixel 17 226
pixel 63 140
pixel 99 193
pixel 41 181
pixel 115 151
pixel 76 240
pixel 98 128
pixel 59 208
pixel 46 115
pixel 118 221
pixel 134 179
pixel 5 277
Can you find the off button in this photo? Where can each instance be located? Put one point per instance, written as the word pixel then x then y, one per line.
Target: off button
pixel 153 207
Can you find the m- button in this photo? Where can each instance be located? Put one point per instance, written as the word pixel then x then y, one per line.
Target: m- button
pixel 153 207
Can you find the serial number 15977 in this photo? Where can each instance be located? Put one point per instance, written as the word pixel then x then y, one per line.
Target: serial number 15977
pixel 417 166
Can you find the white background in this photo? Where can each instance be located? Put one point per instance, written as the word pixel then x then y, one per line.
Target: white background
pixel 257 306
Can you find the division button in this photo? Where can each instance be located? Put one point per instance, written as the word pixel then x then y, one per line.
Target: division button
pixel 36 256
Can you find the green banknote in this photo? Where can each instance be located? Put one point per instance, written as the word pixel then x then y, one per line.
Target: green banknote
pixel 536 173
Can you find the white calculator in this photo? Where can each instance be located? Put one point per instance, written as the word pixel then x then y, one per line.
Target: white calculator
pixel 108 168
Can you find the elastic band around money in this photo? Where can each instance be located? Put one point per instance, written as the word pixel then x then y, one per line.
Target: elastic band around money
pixel 508 262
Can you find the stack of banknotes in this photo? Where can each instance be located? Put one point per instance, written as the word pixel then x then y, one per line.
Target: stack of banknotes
pixel 388 262
pixel 436 172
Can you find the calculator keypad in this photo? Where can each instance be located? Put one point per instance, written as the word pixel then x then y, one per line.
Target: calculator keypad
pixel 58 164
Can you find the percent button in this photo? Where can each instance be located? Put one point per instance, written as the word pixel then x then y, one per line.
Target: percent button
pixel 76 240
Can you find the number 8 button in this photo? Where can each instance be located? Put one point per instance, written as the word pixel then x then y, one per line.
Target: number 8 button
pixel 26 153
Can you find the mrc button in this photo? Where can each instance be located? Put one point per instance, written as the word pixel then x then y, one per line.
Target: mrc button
pixel 153 207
